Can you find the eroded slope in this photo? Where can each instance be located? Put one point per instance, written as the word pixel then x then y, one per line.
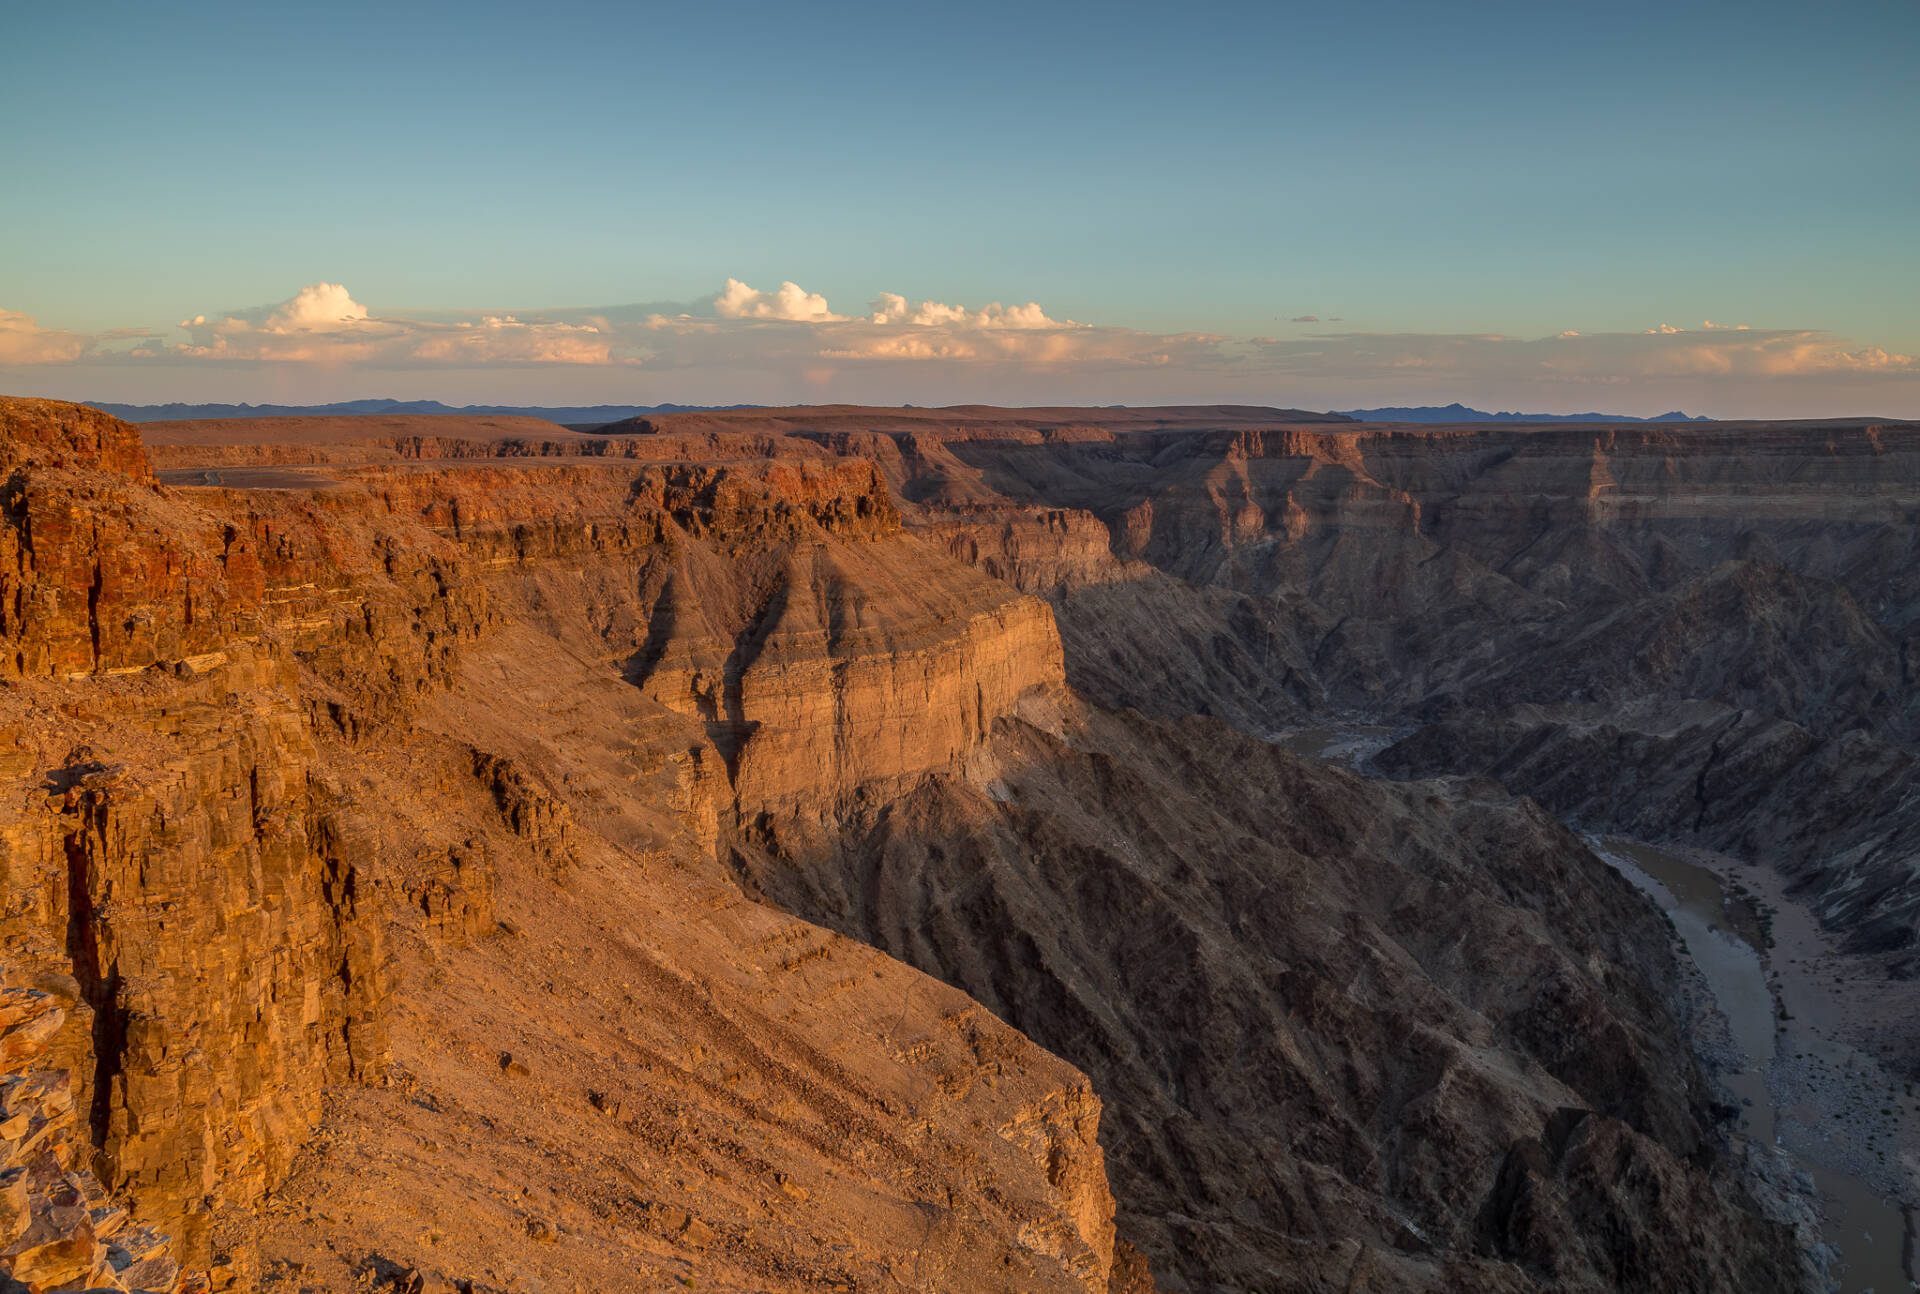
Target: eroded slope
pixel 271 794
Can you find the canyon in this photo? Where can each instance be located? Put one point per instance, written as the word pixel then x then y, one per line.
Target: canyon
pixel 842 848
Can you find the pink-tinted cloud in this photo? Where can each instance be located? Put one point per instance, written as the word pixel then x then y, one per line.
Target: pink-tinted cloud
pixel 24 341
pixel 322 324
pixel 892 308
pixel 1749 354
pixel 747 344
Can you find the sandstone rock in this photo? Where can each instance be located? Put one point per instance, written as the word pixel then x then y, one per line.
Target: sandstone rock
pixel 14 1215
pixel 155 1273
pixel 27 1039
pixel 55 1218
pixel 19 1005
pixel 57 1246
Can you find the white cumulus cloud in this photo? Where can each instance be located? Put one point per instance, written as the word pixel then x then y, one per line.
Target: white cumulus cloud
pixel 744 343
pixel 791 302
pixel 317 307
pixel 892 308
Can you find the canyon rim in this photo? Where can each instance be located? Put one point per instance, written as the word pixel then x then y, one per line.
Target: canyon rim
pixel 877 849
pixel 959 649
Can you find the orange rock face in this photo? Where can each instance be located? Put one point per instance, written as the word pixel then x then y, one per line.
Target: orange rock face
pixel 58 1227
pixel 274 832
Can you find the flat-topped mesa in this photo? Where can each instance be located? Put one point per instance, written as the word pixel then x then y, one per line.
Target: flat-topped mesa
pixel 501 513
pixel 55 434
pixel 778 602
pixel 973 420
pixel 102 571
pixel 186 449
pixel 1183 499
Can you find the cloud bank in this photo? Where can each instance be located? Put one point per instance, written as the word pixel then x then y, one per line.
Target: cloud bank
pixel 23 341
pixel 789 343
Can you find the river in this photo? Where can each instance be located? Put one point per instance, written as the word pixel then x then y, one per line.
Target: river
pixel 1350 744
pixel 1815 1098
pixel 1722 932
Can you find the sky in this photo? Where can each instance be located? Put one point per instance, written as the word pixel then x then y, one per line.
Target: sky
pixel 1518 206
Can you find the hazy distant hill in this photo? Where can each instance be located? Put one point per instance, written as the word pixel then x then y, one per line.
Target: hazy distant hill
pixel 600 414
pixel 591 413
pixel 1460 413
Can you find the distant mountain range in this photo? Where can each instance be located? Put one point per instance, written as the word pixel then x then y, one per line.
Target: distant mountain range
pixel 596 414
pixel 1460 413
pixel 590 413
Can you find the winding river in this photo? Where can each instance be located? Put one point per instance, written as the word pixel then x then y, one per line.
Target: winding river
pixel 1872 1234
pixel 1871 1231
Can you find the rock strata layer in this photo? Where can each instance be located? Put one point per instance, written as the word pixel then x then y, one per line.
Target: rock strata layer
pixel 704 852
pixel 304 869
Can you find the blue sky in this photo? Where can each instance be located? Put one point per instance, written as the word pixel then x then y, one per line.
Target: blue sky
pixel 1394 170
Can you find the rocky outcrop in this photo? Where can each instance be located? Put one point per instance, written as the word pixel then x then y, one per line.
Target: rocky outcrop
pixel 779 605
pixel 179 860
pixel 854 668
pixel 59 1227
pixel 1042 550
pixel 202 901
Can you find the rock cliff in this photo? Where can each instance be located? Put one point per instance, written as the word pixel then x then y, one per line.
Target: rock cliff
pixel 59 1226
pixel 299 867
pixel 1833 814
pixel 718 850
pixel 1275 576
